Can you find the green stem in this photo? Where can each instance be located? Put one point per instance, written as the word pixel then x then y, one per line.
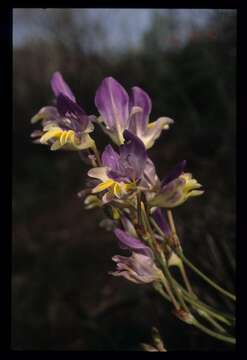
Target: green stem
pixel 203 328
pixel 197 303
pixel 206 278
pixel 197 324
pixel 225 318
pixel 168 289
pixel 162 262
pixel 158 287
pixel 96 153
pixel 195 269
pixel 213 314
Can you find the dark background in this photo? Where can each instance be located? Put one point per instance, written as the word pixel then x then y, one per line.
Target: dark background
pixel 62 295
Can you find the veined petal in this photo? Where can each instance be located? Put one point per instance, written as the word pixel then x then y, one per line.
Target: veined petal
pixel 110 158
pixel 68 108
pixel 133 155
pixel 154 129
pixel 139 121
pixel 129 242
pixel 59 86
pixel 150 178
pixel 112 102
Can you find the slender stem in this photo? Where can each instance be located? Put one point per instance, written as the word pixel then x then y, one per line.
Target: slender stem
pixel 181 268
pixel 214 313
pixel 170 284
pixel 186 280
pixel 202 275
pixel 173 284
pixel 166 282
pixel 225 318
pixel 96 153
pixel 173 229
pixel 211 320
pixel 203 328
pixel 168 289
pixel 206 278
pixel 158 287
pixel 197 303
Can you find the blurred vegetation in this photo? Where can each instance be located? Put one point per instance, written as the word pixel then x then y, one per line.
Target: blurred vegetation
pixel 62 296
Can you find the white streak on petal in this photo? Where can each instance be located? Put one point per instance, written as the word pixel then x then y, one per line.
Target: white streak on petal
pixel 99 173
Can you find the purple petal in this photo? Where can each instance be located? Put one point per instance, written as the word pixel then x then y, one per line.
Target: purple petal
pixel 110 158
pixel 174 173
pixel 139 121
pixel 112 102
pixel 73 111
pixel 59 86
pixel 150 176
pixel 129 242
pixel 133 154
pixel 161 222
pixel 137 268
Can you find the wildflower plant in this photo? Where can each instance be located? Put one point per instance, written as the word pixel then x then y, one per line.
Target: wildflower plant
pixel 123 179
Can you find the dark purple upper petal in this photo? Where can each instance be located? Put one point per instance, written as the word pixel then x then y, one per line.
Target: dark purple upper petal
pixel 139 121
pixel 59 86
pixel 133 155
pixel 129 242
pixel 68 108
pixel 112 102
pixel 161 221
pixel 174 173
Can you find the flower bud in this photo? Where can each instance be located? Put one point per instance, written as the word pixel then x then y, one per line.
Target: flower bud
pixel 177 191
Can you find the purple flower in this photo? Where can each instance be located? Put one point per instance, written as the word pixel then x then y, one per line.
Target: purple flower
pixel 127 241
pixel 176 188
pixel 139 267
pixel 112 101
pixel 65 125
pixel 130 162
pixel 121 172
pixel 119 112
pixel 59 86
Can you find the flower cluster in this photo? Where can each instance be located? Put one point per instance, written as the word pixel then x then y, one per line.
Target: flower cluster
pixel 123 182
pixel 122 178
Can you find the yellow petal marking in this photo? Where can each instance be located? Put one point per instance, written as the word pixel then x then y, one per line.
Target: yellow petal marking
pixel 62 138
pixel 49 135
pixel 103 186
